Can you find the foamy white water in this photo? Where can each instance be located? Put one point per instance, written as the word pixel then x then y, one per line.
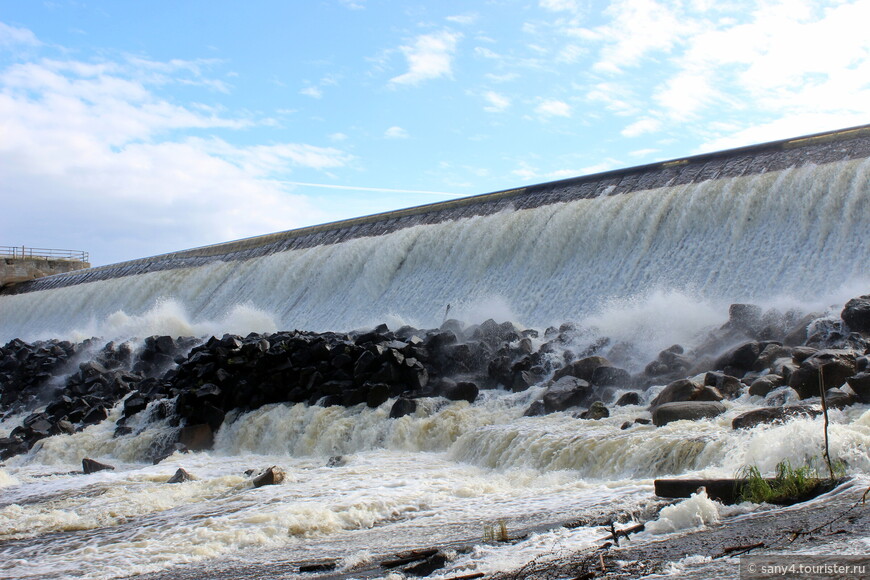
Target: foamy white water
pixel 438 476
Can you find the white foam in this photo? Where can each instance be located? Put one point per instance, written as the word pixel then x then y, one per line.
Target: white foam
pixel 696 512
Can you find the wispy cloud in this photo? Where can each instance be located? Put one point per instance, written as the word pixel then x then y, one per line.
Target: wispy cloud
pixel 312 91
pixel 553 108
pixel 10 36
pixel 396 133
pixel 496 103
pixel 429 57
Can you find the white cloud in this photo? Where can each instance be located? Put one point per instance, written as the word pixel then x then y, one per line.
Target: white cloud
pixel 497 102
pixel 396 133
pixel 464 19
pixel 642 127
pixel 337 137
pixel 430 57
pixel 313 92
pixel 10 36
pixel 89 153
pixel 553 108
pixel 561 5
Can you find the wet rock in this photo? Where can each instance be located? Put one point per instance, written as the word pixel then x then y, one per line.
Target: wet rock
pixel 180 476
pixel 629 398
pixel 92 466
pixel 596 411
pixel 462 391
pixel 739 360
pixel 196 437
pixel 582 369
pixel 860 385
pixel 839 399
pixel 745 317
pixel 835 366
pixel 402 407
pixel 856 314
pixel 536 409
pixel 565 393
pixel 764 415
pixel 427 566
pixel 336 461
pixel 730 387
pixel 378 394
pixel 691 410
pixel 684 390
pixel 761 386
pixel 269 476
pixel 608 376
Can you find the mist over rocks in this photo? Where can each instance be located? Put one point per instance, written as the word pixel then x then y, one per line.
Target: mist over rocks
pixel 196 385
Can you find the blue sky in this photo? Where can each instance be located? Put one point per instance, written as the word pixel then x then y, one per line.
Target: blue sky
pixel 129 129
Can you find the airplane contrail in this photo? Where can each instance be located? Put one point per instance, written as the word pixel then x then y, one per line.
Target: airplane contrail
pixel 361 188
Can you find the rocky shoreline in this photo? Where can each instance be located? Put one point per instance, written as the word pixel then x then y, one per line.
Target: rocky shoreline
pixel 195 385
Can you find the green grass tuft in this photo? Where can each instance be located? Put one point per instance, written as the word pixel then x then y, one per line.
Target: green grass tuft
pixel 790 483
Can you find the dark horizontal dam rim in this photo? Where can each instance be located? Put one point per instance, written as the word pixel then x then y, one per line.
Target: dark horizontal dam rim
pixel 818 149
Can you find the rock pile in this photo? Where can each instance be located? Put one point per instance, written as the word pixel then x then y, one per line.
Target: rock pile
pixel 194 384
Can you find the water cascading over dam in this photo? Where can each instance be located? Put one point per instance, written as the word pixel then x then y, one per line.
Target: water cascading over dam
pixel 784 219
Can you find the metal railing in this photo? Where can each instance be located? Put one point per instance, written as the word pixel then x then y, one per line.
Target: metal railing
pixel 25 253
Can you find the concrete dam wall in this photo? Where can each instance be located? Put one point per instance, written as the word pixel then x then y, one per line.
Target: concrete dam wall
pixel 783 220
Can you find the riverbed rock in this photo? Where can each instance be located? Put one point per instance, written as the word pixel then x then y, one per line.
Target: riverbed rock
pixel 180 476
pixel 684 390
pixel 567 392
pixel 836 366
pixel 403 406
pixel 92 466
pixel 596 411
pixel 761 386
pixel 583 369
pixel 856 314
pixel 628 398
pixel 728 386
pixel 689 410
pixel 860 385
pixel 269 476
pixel 764 415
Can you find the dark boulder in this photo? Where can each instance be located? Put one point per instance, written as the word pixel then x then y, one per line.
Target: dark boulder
pixel 91 466
pixel 378 394
pixel 856 314
pixel 690 410
pixel 860 385
pixel 684 390
pixel 269 476
pixel 834 366
pixel 764 415
pixel 462 391
pixel 608 376
pixel 565 393
pixel 180 476
pixel 730 387
pixel 402 407
pixel 739 360
pixel 629 398
pixel 761 386
pixel 196 437
pixel 582 369
pixel 596 410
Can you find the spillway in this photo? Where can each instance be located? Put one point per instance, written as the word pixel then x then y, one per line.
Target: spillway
pixel 783 219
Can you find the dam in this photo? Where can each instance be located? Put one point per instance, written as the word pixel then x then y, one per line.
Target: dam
pixel 783 220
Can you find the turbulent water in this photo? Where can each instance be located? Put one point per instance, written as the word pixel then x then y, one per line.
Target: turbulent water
pixel 648 267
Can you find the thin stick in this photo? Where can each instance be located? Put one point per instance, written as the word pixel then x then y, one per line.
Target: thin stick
pixel 825 412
